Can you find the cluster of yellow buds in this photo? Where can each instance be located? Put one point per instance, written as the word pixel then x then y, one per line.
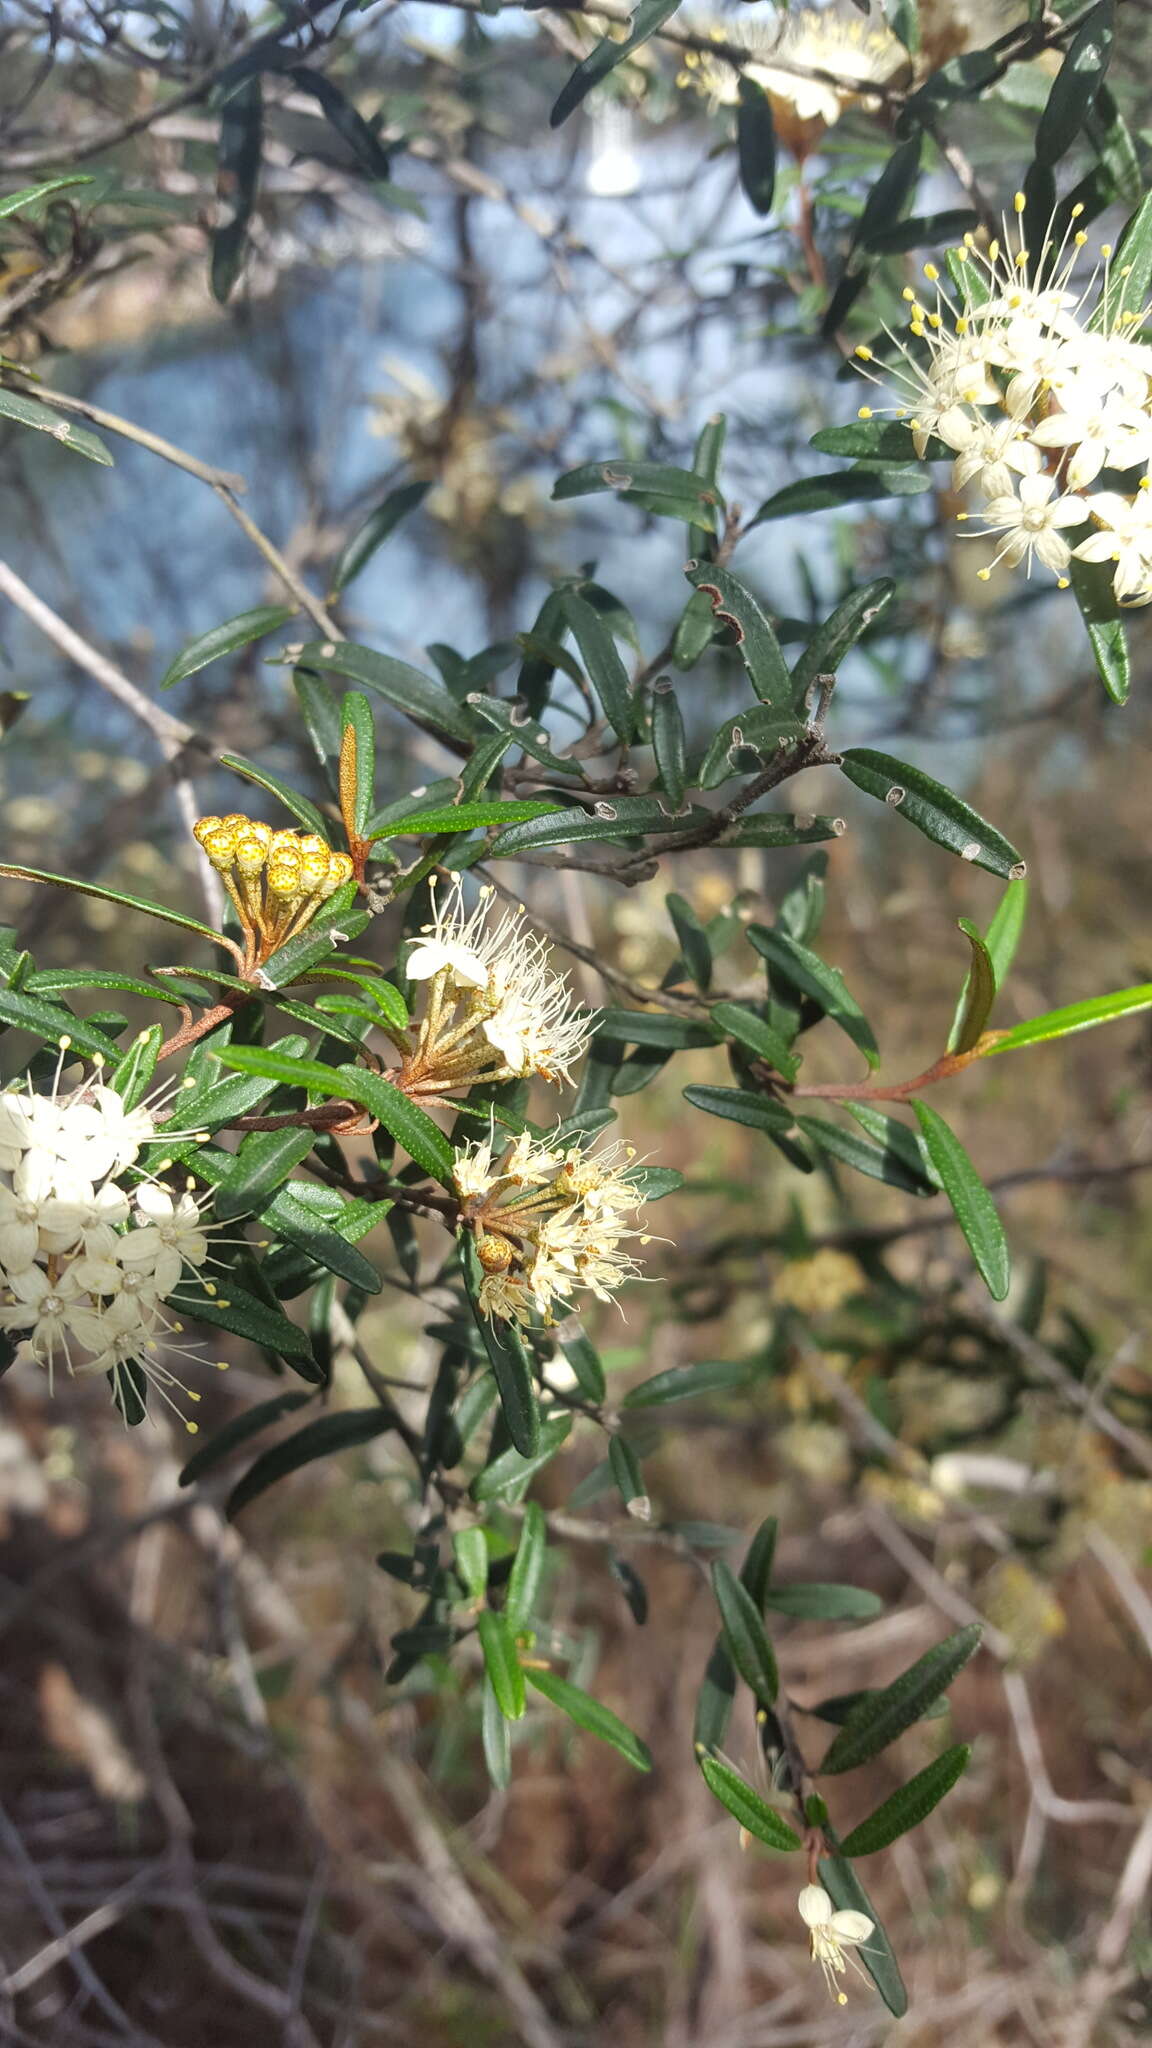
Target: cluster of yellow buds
pixel 277 880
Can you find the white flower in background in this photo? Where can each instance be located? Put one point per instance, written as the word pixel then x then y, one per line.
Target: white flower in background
pixel 1034 520
pixel 494 1009
pixel 1040 387
pixel 548 1223
pixel 832 1936
pixel 1125 538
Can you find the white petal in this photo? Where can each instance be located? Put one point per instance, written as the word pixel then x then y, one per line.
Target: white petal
pixel 851 1926
pixel 815 1906
pixel 154 1203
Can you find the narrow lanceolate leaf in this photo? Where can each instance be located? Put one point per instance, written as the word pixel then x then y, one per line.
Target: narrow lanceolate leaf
pixel 131 1075
pixel 649 479
pixel 342 1431
pixel 409 1124
pixel 495 1738
pixel 50 1022
pixel 592 1716
pixel 910 1805
pixel 1075 86
pixel 848 1895
pixel 735 608
pixel 813 977
pixel 972 1205
pixel 225 639
pixel 689 1382
pixel 606 672
pixel 613 819
pixel 879 1162
pixel 358 551
pixel 1103 618
pixel 756 145
pixel 653 1027
pixel 30 413
pixel 882 1716
pixel 833 640
pixel 744 1636
pixel 759 1038
pixel 937 812
pixel 357 764
pixel 895 1139
pixel 649 16
pixel 1125 1002
pixel 821 1602
pixel 511 1367
pixel 509 1475
pixel 669 742
pixel 754 1814
pixel 160 910
pixel 300 807
pixel 979 992
pixel 742 1106
pixel 466 817
pixel 22 202
pixel 715 1700
pixel 844 487
pixel 1130 276
pixel 238 1431
pixel 407 689
pixel 999 943
pixel 237 178
pixel 501 1663
pixel 344 119
pixel 522 1594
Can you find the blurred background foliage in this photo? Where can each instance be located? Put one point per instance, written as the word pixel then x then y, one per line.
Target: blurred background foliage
pixel 204 1769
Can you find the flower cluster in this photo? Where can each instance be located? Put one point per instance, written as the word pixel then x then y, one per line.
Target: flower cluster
pixel 547 1221
pixel 836 56
pixel 1037 389
pixel 832 1935
pixel 277 880
pixel 494 1009
pixel 86 1265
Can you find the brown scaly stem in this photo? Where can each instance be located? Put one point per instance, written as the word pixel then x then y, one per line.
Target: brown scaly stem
pixel 193 1029
pixel 942 1069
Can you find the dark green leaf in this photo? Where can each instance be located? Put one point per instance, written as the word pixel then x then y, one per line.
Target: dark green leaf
pixel 751 1031
pixel 238 1431
pixel 979 990
pixel 407 689
pixel 668 742
pixel 689 1382
pixel 160 910
pixel 736 609
pixel 741 1106
pixel 606 672
pixel 884 440
pixel 507 1477
pixel 833 640
pixel 59 981
pixel 879 1162
pixel 300 807
pixel 501 1663
pixel 342 1431
pixel 744 1636
pixel 358 552
pixel 590 1714
pixel 20 202
pixel 910 1805
pixel 754 1814
pixel 522 1593
pixel 466 817
pixel 648 17
pixel 653 1027
pixel 972 1205
pixel 616 818
pixel 818 1602
pixel 511 1368
pixel 694 943
pixel 843 487
pixel 780 828
pixel 510 718
pixel 342 117
pixel 653 479
pixel 813 977
pixel 584 1359
pixel 756 144
pixel 882 1716
pixel 848 1895
pixel 264 1160
pixel 1000 942
pixel 225 639
pixel 237 179
pixel 1075 86
pixel 30 413
pixel 409 1124
pixel 755 737
pixel 937 812
pixel 896 1139
pixel 1103 618
pixel 131 1075
pixel 49 1021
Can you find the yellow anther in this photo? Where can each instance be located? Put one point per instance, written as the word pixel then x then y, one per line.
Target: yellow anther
pixel 1019 202
pixel 864 412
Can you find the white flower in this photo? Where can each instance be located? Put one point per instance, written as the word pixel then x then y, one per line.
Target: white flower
pixel 1033 522
pixel 1125 538
pixel 19 1230
pixel 832 1933
pixel 1099 434
pixel 454 943
pixel 47 1308
pixel 548 1223
pixel 178 1223
pixel 88 1216
pixel 987 451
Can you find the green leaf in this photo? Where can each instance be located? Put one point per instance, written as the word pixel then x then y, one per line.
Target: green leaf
pixel 391 1008
pixel 937 812
pixel 58 981
pixel 1075 86
pixel 501 1663
pixel 615 818
pixel 19 202
pixel 522 1594
pixel 263 1161
pixel 30 413
pixel 49 1021
pixel 744 1636
pixel 343 1431
pixel 715 1700
pixel 247 1316
pixel 511 1368
pixel 238 1431
pixel 225 639
pixel 979 992
pixel 1074 1017
pixel 741 1106
pixel 237 177
pixel 357 762
pixel 885 440
pixel 843 487
pixel 336 922
pixel 999 943
pixel 409 1124
pixel 972 1205
pixel 131 1075
pixel 358 552
pixel 694 943
pixel 653 1027
pixel 897 1140
pixel 689 1382
pixel 652 479
pixel 780 828
pixel 606 672
pixel 848 1895
pixel 668 741
pixel 495 1739
pixel 748 742
pixel 756 144
pixel 525 732
pixel 1130 272
pixel 407 689
pixel 1103 618
pixel 813 977
pixel 879 1162
pixel 159 910
pixel 590 1714
pixel 735 608
pixel 300 807
pixel 819 1602
pixel 759 1038
pixel 882 1716
pixel 624 1466
pixel 648 17
pixel 584 1359
pixel 910 1805
pixel 342 117
pixel 466 817
pixel 508 1475
pixel 754 1814
pixel 833 640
